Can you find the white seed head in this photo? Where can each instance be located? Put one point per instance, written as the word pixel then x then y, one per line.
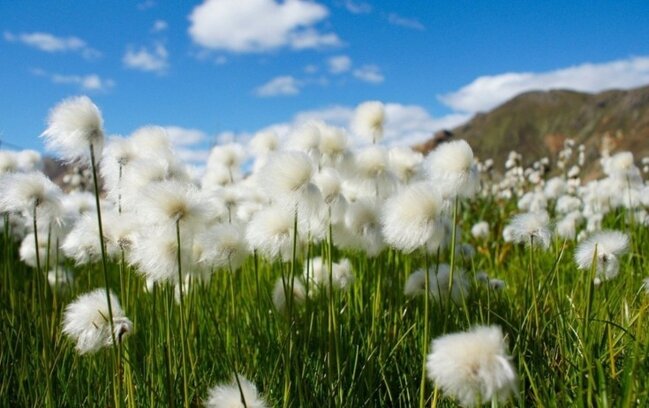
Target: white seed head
pixel 86 321
pixel 369 119
pixel 74 125
pixel 473 367
pixel 410 217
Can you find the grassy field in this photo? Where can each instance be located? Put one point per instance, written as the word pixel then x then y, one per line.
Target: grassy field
pixel 572 345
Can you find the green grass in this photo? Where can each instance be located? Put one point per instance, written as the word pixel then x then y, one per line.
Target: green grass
pixel 572 345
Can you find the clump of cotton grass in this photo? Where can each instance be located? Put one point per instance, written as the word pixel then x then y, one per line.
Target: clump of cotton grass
pixel 607 246
pixel 170 202
pixel 155 254
pixel 27 251
pixel 405 163
pixel 224 246
pixel 239 393
pixel 368 120
pixel 439 288
pixel 74 128
pixel 8 162
pixel 410 217
pixel 31 194
pixel 288 290
pixel 452 168
pixel 317 273
pixel 372 174
pixel 531 229
pixel 361 228
pixel 480 230
pixel 332 146
pixel 82 242
pixel 60 278
pixel 285 176
pixel 264 143
pixel 86 321
pixel 473 367
pixel 270 232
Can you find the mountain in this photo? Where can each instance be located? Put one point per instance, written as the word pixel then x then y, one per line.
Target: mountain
pixel 536 123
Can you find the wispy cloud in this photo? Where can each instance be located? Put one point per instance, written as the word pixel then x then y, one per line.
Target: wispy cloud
pixel 159 26
pixel 369 73
pixel 145 59
pixel 411 23
pixel 279 86
pixel 339 64
pixel 189 143
pixel 52 44
pixel 487 92
pixel 357 7
pixel 218 25
pixel 89 82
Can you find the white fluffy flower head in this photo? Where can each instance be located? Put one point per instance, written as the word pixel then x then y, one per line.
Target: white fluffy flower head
pixel 531 228
pixel 473 367
pixel 229 395
pixel 410 217
pixel 608 245
pixel 369 119
pixel 452 166
pixel 73 126
pixel 86 321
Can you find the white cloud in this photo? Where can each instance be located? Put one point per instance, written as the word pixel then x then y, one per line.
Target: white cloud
pixel 50 43
pixel 339 64
pixel 369 73
pixel 148 60
pixel 487 92
pixel 90 82
pixel 311 69
pixel 400 21
pixel 281 85
pixel 159 26
pixel 181 136
pixel 259 25
pixel 357 7
pixel 146 4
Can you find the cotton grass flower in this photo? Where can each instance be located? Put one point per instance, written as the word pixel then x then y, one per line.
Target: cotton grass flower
pixel 608 245
pixel 8 162
pixel 473 367
pixel 74 126
pixel 438 284
pixel 452 168
pixel 317 273
pixel 410 217
pixel 282 291
pixel 59 278
pixel 270 232
pixel 27 251
pixel 224 246
pixel 480 230
pixel 286 175
pixel 29 192
pixel 168 202
pixel 368 120
pixel 86 321
pixel 230 395
pixel 531 228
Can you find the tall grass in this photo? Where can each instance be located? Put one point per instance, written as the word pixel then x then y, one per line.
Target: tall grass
pixel 587 346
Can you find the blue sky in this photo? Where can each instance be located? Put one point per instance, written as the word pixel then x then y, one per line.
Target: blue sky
pixel 222 69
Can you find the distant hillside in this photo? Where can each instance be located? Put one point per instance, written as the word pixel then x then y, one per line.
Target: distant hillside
pixel 536 124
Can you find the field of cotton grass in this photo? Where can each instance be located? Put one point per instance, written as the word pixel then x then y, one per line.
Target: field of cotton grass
pixel 305 273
